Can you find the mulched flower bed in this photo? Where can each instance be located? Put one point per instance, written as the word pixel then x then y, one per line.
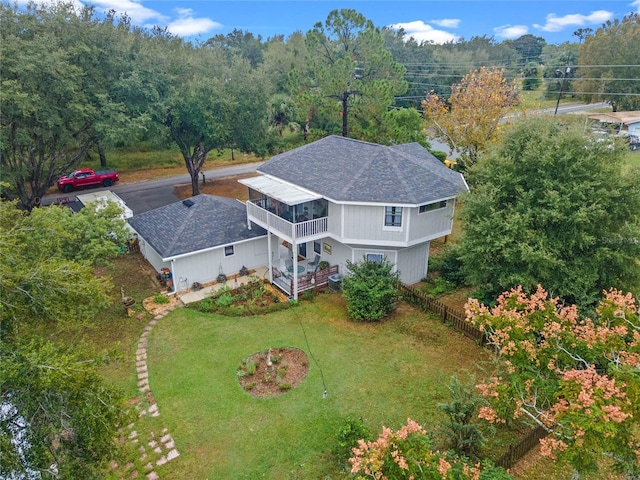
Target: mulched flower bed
pixel 289 367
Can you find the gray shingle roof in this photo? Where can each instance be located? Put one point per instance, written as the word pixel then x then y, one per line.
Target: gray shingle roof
pixel 345 169
pixel 211 221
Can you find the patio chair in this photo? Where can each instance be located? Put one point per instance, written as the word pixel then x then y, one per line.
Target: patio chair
pixel 314 262
pixel 289 264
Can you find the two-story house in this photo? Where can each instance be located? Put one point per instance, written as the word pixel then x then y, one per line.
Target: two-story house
pixel 340 199
pixel 332 200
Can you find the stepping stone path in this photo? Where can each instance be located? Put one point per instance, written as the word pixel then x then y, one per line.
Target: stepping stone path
pixel 157 449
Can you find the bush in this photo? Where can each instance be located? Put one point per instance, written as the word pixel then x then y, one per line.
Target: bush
pixel 160 299
pixel 347 436
pixel 449 264
pixel 437 286
pixel 461 431
pixel 371 290
pixel 224 300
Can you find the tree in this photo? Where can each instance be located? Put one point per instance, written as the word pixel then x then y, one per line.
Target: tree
pixel 608 64
pixel 371 289
pixel 349 67
pixel 282 111
pixel 280 58
pixel 577 377
pixel 63 80
pixel 529 47
pixel 583 33
pixel 239 44
pixel 57 416
pixel 398 126
pixel 58 419
pixel 461 430
pixel 407 454
pixel 552 206
pixel 213 105
pixel 557 58
pixel 477 105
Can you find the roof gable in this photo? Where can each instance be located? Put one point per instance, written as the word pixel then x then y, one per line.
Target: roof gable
pixel 344 169
pixel 198 223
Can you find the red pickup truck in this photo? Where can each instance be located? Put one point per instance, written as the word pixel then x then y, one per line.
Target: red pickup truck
pixel 86 177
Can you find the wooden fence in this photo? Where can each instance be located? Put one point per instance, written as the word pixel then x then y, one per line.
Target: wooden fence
pixel 447 314
pixel 520 449
pixel 457 320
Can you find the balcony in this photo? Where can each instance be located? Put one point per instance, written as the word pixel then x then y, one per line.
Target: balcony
pixel 294 232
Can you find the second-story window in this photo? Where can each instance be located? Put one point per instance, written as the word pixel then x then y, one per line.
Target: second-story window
pixel 393 216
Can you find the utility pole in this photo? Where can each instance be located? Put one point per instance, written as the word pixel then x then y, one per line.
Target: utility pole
pixel 564 74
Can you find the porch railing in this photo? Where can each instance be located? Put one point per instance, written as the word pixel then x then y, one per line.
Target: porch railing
pixel 287 230
pixel 306 281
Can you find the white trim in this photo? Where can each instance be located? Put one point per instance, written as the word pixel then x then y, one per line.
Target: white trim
pixel 282 191
pixel 204 250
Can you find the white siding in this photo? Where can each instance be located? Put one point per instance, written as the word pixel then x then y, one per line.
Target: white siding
pixel 412 263
pixel 432 224
pixel 366 223
pixel 150 254
pixel 206 266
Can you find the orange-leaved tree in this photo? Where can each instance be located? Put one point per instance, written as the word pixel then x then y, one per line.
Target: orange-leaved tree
pixel 469 119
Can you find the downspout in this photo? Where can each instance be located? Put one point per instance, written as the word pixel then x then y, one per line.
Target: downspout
pixel 173 279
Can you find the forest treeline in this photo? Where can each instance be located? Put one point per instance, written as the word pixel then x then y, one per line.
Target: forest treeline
pixel 76 82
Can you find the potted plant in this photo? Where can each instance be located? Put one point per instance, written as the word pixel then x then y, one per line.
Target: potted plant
pixel 323 265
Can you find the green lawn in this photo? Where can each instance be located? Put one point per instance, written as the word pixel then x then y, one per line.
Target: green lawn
pixel 383 372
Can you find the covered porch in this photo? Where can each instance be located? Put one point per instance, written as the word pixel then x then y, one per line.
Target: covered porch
pixel 307 281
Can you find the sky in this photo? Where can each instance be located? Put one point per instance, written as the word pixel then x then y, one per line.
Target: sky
pixel 437 21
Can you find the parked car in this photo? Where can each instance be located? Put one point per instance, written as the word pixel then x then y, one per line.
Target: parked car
pixel 86 177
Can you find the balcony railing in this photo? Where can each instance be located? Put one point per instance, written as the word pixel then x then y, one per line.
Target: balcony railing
pixel 287 230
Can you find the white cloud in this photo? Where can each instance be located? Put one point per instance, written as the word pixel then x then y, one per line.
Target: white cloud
pixel 449 22
pixel 556 24
pixel 187 25
pixel 134 10
pixel 636 3
pixel 511 31
pixel 421 32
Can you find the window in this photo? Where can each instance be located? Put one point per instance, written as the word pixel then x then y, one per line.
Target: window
pixel 302 250
pixel 228 251
pixel 392 216
pixel 375 257
pixel 432 206
pixel 317 247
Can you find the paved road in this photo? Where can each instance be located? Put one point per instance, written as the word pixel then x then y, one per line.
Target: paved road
pixel 147 195
pixel 150 194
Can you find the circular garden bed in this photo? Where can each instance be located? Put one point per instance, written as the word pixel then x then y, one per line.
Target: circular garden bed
pixel 273 372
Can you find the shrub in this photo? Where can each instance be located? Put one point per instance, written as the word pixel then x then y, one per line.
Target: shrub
pixel 350 431
pixel 437 286
pixel 160 299
pixel 224 300
pixel 284 386
pixel 449 264
pixel 460 430
pixel 250 366
pixel 371 290
pixel 204 306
